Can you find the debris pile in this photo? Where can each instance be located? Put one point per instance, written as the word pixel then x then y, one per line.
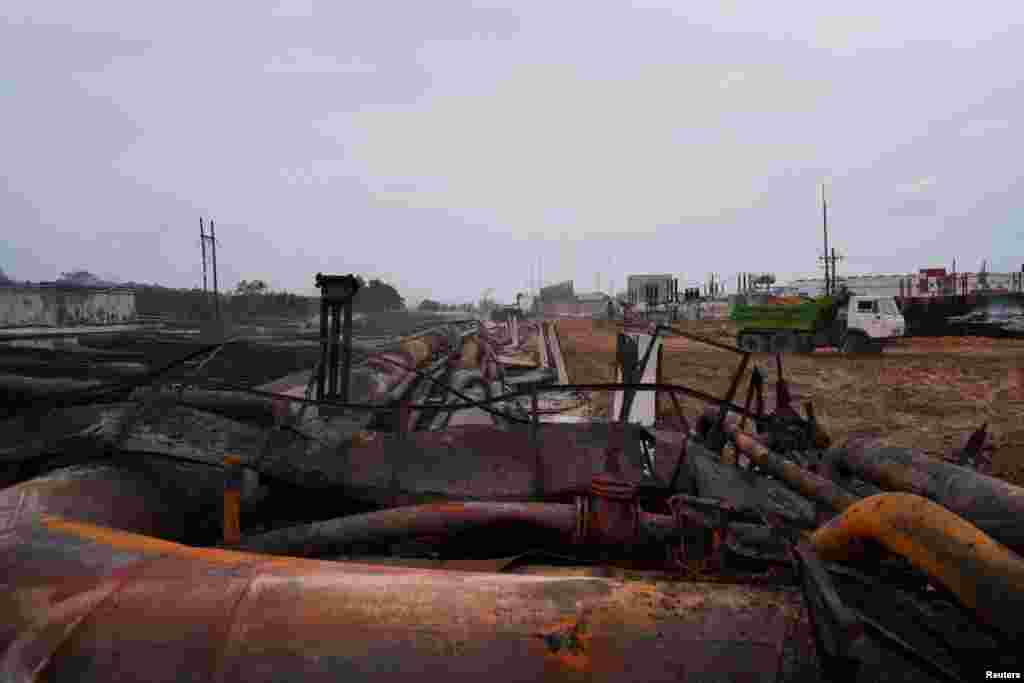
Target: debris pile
pixel 468 447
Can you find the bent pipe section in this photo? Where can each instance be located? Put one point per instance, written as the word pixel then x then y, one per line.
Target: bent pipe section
pixel 993 505
pixel 441 519
pixel 84 602
pixel 327 537
pixel 796 477
pixel 461 381
pixel 986 576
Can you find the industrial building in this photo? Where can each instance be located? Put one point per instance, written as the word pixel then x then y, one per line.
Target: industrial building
pixel 927 282
pixel 57 305
pixel 561 292
pixel 592 303
pixel 637 287
pixel 561 300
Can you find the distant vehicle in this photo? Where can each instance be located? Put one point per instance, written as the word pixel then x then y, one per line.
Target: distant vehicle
pixel 991 322
pixel 851 323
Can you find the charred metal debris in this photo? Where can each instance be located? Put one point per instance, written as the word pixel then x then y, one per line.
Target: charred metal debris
pixel 465 446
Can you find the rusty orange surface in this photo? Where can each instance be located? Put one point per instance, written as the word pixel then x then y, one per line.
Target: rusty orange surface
pixel 85 602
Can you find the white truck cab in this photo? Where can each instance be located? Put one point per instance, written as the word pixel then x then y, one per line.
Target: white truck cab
pixel 871 321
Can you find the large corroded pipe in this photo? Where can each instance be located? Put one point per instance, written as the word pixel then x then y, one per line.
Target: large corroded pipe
pixel 991 504
pixel 327 537
pixel 461 381
pixel 72 367
pixel 440 519
pixel 796 477
pixel 79 602
pixel 985 575
pixel 33 387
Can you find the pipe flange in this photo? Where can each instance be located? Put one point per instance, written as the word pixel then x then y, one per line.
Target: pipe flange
pixel 614 513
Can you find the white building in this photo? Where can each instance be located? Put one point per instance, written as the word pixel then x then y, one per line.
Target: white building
pixel 916 285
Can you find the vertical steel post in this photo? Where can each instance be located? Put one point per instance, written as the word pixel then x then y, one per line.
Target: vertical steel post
pixel 321 384
pixel 213 250
pixel 534 415
pixel 824 224
pixel 334 348
pixel 538 475
pixel 202 245
pixel 346 370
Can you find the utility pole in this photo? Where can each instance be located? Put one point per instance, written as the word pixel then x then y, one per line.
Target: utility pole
pixel 833 259
pixel 202 246
pixel 824 225
pixel 216 289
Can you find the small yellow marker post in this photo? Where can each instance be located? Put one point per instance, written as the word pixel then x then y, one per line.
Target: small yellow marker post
pixel 233 500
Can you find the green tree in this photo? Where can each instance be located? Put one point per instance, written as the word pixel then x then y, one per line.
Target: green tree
pixel 430 305
pixel 80 278
pixel 377 295
pixel 251 287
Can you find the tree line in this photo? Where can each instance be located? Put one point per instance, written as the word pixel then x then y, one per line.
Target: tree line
pixel 252 297
pixel 431 306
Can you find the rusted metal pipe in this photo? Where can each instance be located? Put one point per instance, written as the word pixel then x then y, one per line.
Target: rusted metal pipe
pixel 71 367
pixel 32 387
pixel 324 538
pixel 444 519
pixel 79 601
pixel 233 404
pixel 796 477
pixel 991 504
pixel 985 576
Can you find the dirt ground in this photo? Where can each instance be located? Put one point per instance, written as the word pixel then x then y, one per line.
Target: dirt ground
pixel 925 393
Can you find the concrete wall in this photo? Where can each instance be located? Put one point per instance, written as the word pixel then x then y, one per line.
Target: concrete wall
pixel 704 310
pixel 573 309
pixel 54 307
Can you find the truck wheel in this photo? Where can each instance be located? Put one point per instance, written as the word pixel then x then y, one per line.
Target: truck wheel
pixel 783 342
pixel 748 342
pixel 852 344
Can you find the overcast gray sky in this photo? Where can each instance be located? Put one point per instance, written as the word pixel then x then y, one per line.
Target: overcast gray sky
pixel 446 145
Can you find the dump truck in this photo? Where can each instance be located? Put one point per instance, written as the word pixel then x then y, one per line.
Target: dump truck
pixel 849 322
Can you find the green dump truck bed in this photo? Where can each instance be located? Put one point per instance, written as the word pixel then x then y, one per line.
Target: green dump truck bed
pixel 810 316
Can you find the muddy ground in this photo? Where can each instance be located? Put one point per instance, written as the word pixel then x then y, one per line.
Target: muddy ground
pixel 925 393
